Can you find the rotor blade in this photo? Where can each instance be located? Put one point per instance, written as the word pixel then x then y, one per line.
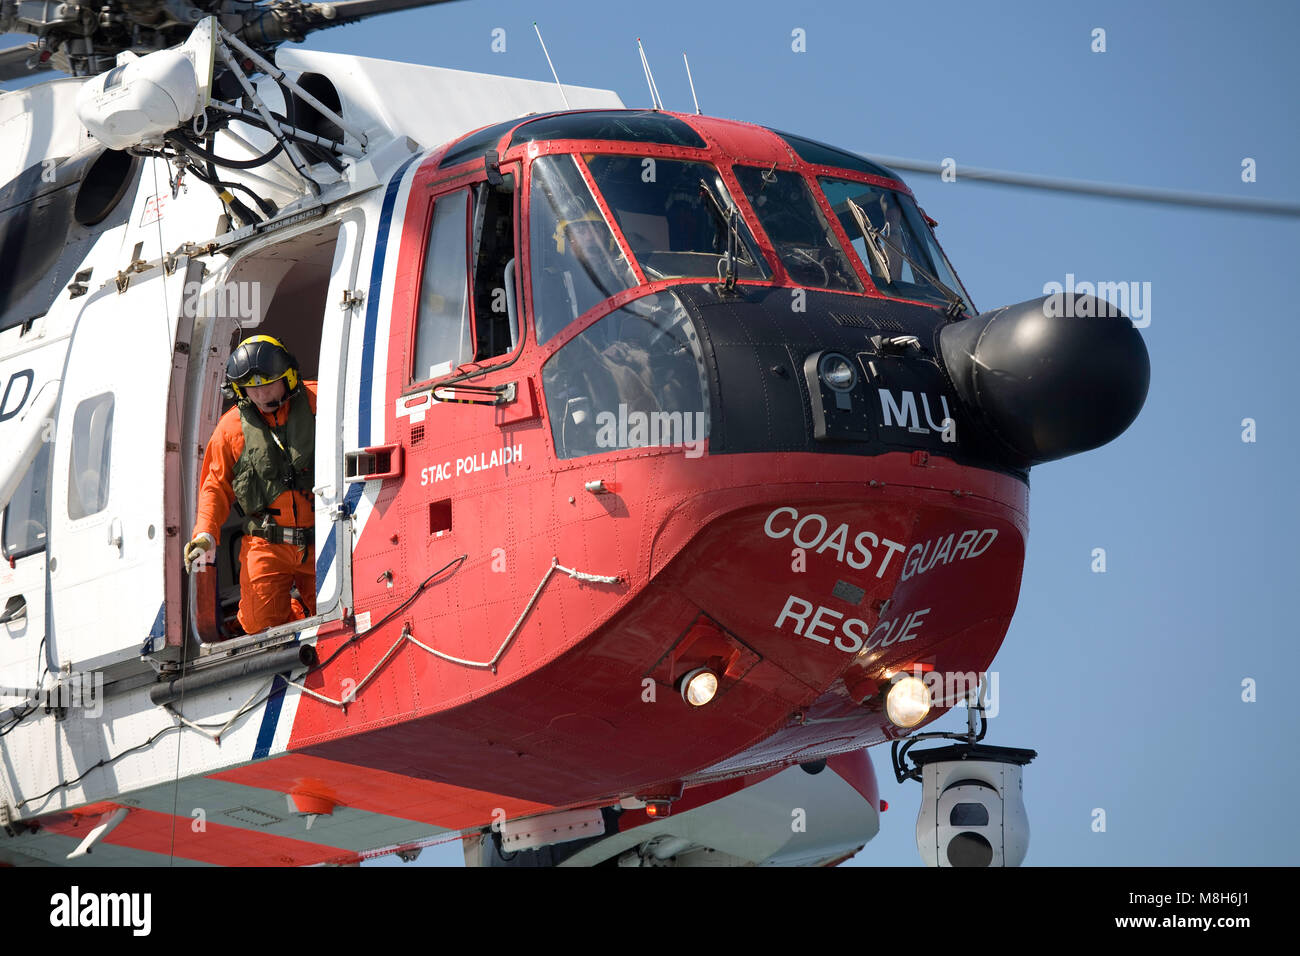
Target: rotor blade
pixel 1266 207
pixel 353 9
pixel 282 20
pixel 13 62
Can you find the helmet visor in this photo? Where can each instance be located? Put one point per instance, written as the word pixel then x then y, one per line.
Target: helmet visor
pixel 257 363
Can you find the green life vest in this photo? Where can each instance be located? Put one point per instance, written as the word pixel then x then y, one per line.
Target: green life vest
pixel 264 471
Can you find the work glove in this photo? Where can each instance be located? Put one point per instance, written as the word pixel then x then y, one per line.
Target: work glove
pixel 196 549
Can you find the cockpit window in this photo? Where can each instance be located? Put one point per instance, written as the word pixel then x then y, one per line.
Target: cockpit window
pixel 894 243
pixel 819 154
pixel 624 126
pixel 636 378
pixel 678 217
pixel 576 261
pixel 476 144
pixel 794 222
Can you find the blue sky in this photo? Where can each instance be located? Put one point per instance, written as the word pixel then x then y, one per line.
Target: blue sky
pixel 1129 683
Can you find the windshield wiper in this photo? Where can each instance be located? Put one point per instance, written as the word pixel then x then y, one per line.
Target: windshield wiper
pixel 871 239
pixel 874 237
pixel 727 220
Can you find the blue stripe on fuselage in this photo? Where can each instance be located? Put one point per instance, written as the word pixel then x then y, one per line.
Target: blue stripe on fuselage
pixel 270 717
pixel 326 556
pixel 271 712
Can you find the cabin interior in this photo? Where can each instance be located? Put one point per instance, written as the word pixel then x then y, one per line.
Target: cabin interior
pixel 296 275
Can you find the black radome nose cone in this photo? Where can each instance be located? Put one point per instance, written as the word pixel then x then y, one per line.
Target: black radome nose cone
pixel 1050 377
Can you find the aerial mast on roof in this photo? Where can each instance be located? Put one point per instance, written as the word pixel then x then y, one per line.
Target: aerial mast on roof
pixel 692 82
pixel 551 65
pixel 655 101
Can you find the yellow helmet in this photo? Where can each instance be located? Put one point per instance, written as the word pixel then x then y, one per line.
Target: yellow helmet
pixel 562 227
pixel 260 360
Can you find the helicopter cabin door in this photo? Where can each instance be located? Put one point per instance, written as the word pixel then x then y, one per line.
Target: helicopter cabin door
pixel 115 538
pixel 344 317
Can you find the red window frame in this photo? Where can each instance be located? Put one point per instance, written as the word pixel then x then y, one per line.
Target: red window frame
pixel 468 181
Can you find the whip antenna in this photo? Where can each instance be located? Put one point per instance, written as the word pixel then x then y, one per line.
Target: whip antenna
pixel 692 82
pixel 655 101
pixel 552 66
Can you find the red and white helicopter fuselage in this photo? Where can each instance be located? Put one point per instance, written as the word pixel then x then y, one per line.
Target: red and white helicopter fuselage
pixel 507 603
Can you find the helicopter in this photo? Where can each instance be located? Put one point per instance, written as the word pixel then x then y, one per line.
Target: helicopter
pixel 759 428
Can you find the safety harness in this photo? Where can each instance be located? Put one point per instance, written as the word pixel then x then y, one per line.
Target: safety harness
pixel 275 460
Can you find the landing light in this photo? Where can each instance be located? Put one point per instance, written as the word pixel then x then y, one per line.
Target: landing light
pixel 699 686
pixel 837 372
pixel 908 702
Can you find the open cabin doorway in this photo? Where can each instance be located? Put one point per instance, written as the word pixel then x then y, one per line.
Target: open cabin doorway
pixel 284 292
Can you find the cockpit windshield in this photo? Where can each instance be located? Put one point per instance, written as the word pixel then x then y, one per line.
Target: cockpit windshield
pixel 894 242
pixel 793 221
pixel 576 261
pixel 678 217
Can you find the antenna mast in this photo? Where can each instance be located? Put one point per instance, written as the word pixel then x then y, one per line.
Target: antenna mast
pixel 692 82
pixel 552 66
pixel 655 101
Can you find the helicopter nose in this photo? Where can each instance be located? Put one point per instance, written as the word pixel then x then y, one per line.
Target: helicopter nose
pixel 1050 377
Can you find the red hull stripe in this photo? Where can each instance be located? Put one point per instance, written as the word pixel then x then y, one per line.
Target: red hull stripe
pixel 218 844
pixel 380 791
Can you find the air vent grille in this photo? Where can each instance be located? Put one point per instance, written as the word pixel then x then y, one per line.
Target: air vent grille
pixel 851 321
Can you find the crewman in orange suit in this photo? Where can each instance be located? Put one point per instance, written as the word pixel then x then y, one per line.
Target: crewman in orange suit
pixel 261 455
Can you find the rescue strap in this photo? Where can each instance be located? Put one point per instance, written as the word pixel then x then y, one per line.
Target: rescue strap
pixel 275 534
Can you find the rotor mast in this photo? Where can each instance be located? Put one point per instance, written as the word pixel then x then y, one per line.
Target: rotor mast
pixel 84 37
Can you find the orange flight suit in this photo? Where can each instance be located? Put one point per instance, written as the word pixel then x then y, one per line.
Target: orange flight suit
pixel 266 570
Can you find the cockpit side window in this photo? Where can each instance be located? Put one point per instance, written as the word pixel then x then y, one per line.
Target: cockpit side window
pixel 576 261
pixel 799 232
pixel 677 217
pixel 442 332
pixel 495 329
